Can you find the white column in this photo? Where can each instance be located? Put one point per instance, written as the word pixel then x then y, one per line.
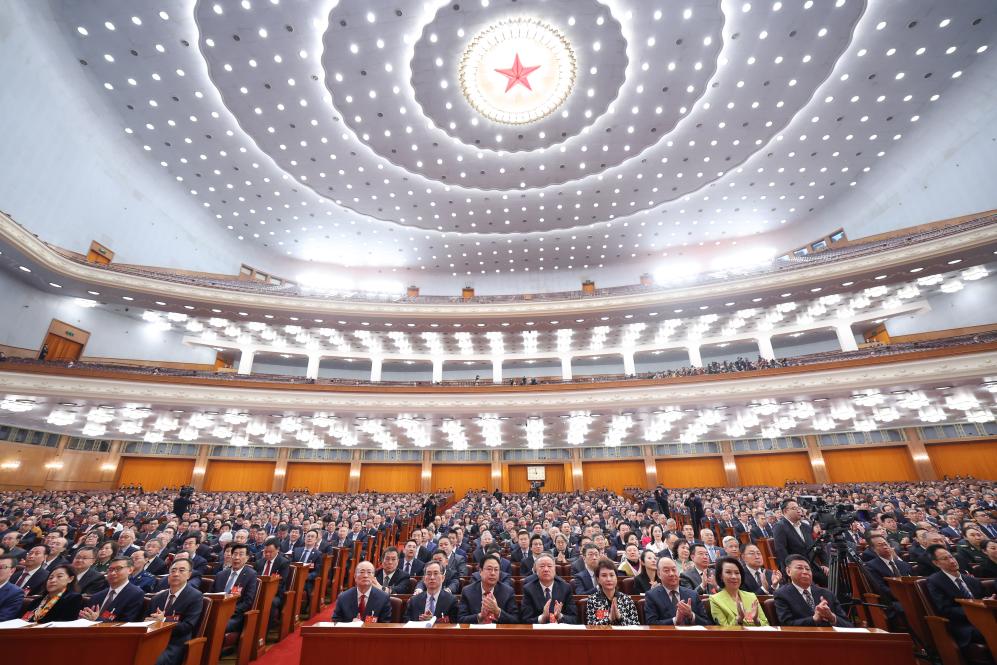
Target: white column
pixel 629 367
pixel 437 370
pixel 695 357
pixel 846 338
pixel 765 349
pixel 313 363
pixel 565 368
pixel 496 370
pixel 246 361
pixel 375 369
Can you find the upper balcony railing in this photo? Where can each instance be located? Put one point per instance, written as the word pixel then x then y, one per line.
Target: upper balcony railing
pixel 779 266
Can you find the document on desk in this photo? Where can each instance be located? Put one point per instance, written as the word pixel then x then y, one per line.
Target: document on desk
pixel 75 623
pixel 558 626
pixel 348 624
pixel 15 623
pixel 690 627
pixel 850 630
pixel 136 624
pixel 481 626
pixel 762 628
pixel 626 627
pixel 420 624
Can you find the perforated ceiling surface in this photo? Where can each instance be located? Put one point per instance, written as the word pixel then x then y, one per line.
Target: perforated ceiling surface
pixel 340 131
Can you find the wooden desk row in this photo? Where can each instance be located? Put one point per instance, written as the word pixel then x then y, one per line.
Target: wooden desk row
pixel 100 644
pixel 460 644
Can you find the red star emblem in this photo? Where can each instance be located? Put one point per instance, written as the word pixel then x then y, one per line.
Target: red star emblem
pixel 518 74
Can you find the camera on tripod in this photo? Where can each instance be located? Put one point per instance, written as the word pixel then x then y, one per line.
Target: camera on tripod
pixel 834 519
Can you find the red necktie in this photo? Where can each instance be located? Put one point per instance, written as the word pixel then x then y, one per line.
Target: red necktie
pixel 266 568
pixel 363 605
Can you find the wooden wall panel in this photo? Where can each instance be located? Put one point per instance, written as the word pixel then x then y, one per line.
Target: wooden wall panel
pixel 390 477
pixel 613 475
pixel 317 477
pixel 857 465
pixel 155 473
pixel 977 459
pixel 232 476
pixel 514 477
pixel 462 478
pixel 774 469
pixel 692 472
pixel 80 470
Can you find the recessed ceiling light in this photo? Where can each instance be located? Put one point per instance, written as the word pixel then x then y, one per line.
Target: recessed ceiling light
pixel 24 268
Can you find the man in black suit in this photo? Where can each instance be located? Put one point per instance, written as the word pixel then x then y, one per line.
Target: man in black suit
pixel 760 528
pixel 792 535
pixel 450 580
pixel 389 578
pixel 454 561
pixel 985 523
pixel 695 506
pixel 757 579
pixel 310 554
pixel 272 562
pixel 363 602
pixel 885 564
pixel 155 563
pixel 31 575
pixel 88 581
pixel 802 603
pixel 121 600
pixel 180 604
pixel 434 600
pixel 239 580
pixel 700 577
pixel 488 601
pixel 945 588
pixel 191 542
pixel 583 581
pixel 547 599
pixel 410 564
pixel 669 603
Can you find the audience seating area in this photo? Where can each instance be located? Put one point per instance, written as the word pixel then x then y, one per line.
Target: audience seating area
pixel 906 525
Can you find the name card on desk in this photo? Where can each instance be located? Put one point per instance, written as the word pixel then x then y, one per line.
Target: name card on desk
pixel 558 626
pixel 850 630
pixel 627 627
pixel 420 624
pixel 481 626
pixel 15 623
pixel 136 624
pixel 690 627
pixel 75 623
pixel 346 624
pixel 772 629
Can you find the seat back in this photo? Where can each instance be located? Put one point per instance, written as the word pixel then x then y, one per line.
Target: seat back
pixel 768 606
pixel 905 590
pixel 627 585
pixel 945 646
pixel 396 609
pixel 221 610
pixel 202 625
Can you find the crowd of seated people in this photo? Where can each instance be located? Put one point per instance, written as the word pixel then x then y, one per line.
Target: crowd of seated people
pixel 694 557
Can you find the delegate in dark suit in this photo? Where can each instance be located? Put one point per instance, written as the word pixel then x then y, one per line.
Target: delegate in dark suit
pixel 415 566
pixel 157 566
pixel 245 582
pixel 879 571
pixel 66 609
pixel 378 606
pixel 125 606
pixel 534 601
pixel 582 583
pixel 446 606
pixel 792 610
pixel 185 613
pixel 749 583
pixel 35 584
pixel 660 611
pixel 470 604
pixel 399 582
pixel 11 599
pixel 450 582
pixel 90 583
pixel 944 594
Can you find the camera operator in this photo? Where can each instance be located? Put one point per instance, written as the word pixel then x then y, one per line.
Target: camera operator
pixel 793 535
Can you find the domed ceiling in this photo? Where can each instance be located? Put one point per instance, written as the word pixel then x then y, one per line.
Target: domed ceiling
pixel 495 136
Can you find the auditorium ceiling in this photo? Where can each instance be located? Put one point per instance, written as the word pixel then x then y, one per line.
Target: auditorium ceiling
pixel 500 136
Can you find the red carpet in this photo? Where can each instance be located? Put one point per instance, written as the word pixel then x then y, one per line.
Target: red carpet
pixel 288 650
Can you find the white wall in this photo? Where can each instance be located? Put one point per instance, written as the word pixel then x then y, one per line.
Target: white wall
pixel 975 305
pixel 25 315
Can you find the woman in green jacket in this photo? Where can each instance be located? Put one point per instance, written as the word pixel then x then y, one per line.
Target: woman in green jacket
pixel 731 606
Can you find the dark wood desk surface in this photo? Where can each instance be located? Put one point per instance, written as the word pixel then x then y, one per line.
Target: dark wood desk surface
pixel 458 645
pixel 102 644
